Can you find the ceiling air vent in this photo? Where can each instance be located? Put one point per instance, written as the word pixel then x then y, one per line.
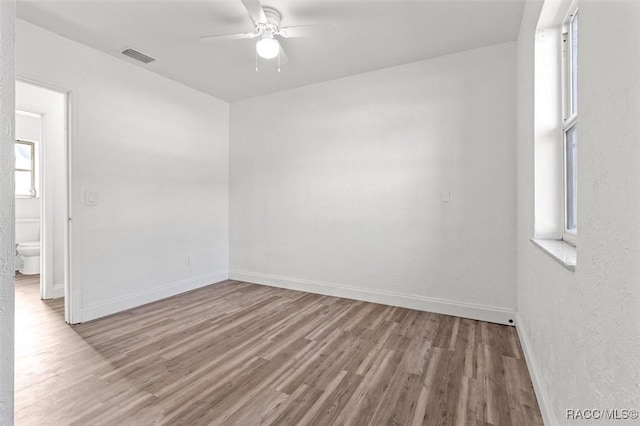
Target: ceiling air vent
pixel 137 55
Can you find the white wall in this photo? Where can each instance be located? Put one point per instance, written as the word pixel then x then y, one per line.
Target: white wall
pixel 28 126
pixel 7 211
pixel 156 153
pixel 338 185
pixel 582 329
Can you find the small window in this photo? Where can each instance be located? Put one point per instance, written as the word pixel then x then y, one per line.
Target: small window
pixel 570 124
pixel 25 169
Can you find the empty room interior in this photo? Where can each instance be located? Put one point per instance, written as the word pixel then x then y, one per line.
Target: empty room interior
pixel 343 212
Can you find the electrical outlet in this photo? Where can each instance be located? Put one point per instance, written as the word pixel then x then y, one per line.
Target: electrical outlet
pixel 90 198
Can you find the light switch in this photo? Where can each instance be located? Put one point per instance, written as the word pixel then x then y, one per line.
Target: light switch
pixel 445 194
pixel 90 198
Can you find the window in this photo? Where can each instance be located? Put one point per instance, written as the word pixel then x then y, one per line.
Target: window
pixel 570 122
pixel 25 169
pixel 556 132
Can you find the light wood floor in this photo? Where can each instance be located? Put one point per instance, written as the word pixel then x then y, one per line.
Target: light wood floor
pixel 241 354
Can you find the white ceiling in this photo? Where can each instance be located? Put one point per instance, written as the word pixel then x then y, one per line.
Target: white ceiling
pixel 369 35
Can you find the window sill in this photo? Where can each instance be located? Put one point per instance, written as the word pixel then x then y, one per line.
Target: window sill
pixel 560 251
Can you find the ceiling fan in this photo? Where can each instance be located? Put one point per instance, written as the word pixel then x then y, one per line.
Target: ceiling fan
pixel 266 21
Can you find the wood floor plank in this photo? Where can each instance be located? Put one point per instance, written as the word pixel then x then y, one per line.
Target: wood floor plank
pixel 295 407
pixel 365 400
pixel 399 400
pixel 236 353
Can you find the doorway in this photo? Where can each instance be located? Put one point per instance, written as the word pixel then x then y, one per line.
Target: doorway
pixel 42 188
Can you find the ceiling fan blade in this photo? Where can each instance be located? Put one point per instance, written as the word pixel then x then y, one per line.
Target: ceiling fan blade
pixel 225 37
pixel 306 30
pixel 283 56
pixel 255 10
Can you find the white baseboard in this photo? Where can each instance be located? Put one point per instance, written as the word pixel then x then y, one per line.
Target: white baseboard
pixel 422 303
pixel 143 297
pixel 541 394
pixel 57 291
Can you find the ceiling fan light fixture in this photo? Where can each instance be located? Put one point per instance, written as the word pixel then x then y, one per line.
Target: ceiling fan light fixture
pixel 268 47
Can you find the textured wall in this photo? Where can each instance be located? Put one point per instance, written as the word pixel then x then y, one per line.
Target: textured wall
pixel 584 327
pixel 340 182
pixel 7 249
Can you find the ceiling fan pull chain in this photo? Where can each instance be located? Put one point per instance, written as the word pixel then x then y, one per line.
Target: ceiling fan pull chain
pixel 256 61
pixel 278 61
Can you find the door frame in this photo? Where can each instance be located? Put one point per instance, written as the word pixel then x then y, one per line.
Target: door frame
pixel 72 289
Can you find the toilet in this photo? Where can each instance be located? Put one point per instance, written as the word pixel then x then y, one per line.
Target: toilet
pixel 29 253
pixel 28 246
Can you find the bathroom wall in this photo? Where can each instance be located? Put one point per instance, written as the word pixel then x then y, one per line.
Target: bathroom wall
pixel 341 187
pixel 154 153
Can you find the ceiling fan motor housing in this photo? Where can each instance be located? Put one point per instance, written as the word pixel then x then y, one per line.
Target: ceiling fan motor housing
pixel 272 25
pixel 273 16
